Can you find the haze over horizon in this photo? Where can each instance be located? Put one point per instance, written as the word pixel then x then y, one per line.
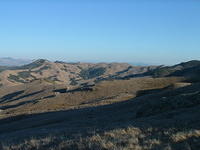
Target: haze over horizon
pixel 153 32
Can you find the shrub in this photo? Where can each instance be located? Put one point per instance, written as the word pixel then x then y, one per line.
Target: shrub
pixel 92 72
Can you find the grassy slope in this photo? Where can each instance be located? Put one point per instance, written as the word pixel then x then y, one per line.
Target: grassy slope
pixel 150 114
pixel 167 119
pixel 40 97
pixel 190 70
pixel 115 126
pixel 67 73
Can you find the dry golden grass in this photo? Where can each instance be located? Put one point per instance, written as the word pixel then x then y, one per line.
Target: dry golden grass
pixel 111 127
pixel 104 93
pixel 130 138
pixel 184 135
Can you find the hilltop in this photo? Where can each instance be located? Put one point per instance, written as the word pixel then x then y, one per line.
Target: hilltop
pixel 70 74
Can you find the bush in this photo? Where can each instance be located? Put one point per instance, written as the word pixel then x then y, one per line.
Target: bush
pixel 16 78
pixel 92 73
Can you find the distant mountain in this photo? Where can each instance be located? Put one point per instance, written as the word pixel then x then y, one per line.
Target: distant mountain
pixel 75 74
pixel 68 73
pixel 8 61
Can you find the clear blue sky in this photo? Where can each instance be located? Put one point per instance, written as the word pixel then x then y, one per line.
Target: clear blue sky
pixel 148 31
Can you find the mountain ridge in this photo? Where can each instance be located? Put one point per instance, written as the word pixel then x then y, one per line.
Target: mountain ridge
pixel 67 73
pixel 72 74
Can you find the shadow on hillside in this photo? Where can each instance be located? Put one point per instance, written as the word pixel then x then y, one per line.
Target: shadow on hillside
pixel 83 122
pixel 80 89
pixel 28 95
pixel 147 92
pixel 11 96
pixel 18 104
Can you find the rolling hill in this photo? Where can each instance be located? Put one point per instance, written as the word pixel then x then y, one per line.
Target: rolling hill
pixel 70 74
pixel 58 105
pixel 190 70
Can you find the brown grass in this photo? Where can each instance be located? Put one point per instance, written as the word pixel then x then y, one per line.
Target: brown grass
pixel 104 93
pixel 110 127
pixel 130 138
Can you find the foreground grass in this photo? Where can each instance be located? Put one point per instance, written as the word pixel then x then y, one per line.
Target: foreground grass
pixel 130 138
pixel 164 120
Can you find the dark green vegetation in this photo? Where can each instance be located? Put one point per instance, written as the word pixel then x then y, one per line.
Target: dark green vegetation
pixel 30 66
pixel 41 69
pixel 123 71
pixel 73 81
pixel 15 78
pixel 33 65
pixel 21 76
pixel 24 74
pixel 92 72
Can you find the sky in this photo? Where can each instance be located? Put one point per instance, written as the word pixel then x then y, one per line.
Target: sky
pixel 134 31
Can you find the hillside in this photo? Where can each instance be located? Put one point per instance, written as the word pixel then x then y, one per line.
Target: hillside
pixel 71 74
pixel 40 96
pixel 76 74
pixel 160 120
pixel 190 70
pixel 112 106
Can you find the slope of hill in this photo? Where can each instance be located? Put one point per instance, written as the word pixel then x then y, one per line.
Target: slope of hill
pixel 57 105
pixel 40 96
pixel 66 73
pixel 168 119
pixel 190 70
